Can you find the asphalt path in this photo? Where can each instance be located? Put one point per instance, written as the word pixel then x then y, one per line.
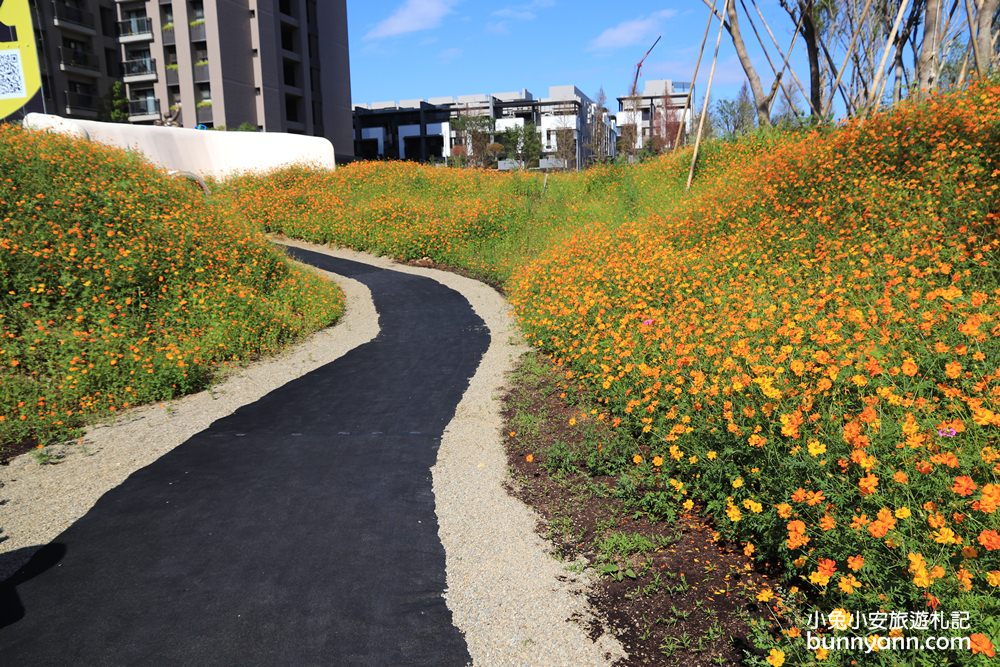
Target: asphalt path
pixel 300 530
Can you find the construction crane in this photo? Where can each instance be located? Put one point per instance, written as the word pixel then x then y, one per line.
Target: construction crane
pixel 634 90
pixel 633 102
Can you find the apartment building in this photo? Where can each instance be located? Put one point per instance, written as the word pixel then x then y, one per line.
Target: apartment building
pixel 271 65
pixel 422 130
pixel 77 42
pixel 655 113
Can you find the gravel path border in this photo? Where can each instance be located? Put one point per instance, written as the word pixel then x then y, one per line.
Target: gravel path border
pixel 38 502
pixel 514 602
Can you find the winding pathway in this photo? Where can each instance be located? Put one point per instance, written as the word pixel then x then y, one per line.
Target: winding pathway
pixel 298 530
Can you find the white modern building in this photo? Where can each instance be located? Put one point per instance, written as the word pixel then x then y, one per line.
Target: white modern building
pixel 656 112
pixel 423 130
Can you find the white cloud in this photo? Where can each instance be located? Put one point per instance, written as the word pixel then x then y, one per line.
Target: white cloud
pixel 523 12
pixel 449 55
pixel 629 33
pixel 412 16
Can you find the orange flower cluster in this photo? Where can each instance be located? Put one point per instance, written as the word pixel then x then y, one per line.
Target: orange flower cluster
pixel 122 285
pixel 823 310
pixel 816 319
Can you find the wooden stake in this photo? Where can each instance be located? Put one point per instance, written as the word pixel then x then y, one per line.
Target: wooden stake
pixel 850 52
pixel 708 90
pixel 878 87
pixel 777 75
pixel 697 64
pixel 972 36
pixel 785 56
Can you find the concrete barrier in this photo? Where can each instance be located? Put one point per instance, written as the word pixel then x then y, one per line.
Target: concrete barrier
pixel 201 152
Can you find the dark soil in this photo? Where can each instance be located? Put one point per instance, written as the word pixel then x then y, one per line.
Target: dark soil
pixel 12 451
pixel 691 596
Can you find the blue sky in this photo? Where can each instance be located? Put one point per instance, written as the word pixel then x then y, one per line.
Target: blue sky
pixel 406 49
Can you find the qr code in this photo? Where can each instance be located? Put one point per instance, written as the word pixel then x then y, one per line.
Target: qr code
pixel 11 75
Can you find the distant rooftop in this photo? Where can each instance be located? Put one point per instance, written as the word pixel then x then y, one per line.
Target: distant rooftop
pixel 556 94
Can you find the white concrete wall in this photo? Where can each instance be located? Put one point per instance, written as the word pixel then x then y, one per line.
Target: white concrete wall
pixel 504 124
pixel 202 152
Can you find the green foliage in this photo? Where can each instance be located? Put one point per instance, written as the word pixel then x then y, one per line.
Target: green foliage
pixel 117 103
pixel 799 345
pixel 122 285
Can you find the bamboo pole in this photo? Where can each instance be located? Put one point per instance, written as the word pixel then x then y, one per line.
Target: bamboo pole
pixel 777 76
pixel 972 36
pixel 850 51
pixel 708 90
pixel 697 64
pixel 787 56
pixel 877 87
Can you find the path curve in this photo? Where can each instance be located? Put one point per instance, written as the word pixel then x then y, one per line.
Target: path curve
pixel 298 530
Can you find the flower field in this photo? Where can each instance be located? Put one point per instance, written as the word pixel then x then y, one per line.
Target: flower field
pixel 804 346
pixel 809 349
pixel 122 286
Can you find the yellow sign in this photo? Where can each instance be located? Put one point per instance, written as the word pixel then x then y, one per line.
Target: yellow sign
pixel 20 75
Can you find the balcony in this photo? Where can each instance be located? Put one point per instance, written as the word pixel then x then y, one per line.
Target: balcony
pixel 138 29
pixel 196 29
pixel 203 113
pixel 143 110
pixel 168 35
pixel 173 75
pixel 139 70
pixel 82 104
pixel 72 18
pixel 201 73
pixel 78 61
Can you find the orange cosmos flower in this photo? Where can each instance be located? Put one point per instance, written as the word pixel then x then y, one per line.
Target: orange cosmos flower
pixel 849 584
pixel 981 645
pixel 989 501
pixel 990 539
pixel 867 484
pixel 964 486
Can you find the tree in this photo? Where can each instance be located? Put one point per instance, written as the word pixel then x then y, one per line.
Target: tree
pixel 117 103
pixel 984 43
pixel 930 49
pixel 531 145
pixel 788 115
pixel 566 146
pixel 598 142
pixel 762 100
pixel 666 125
pixel 522 143
pixel 475 133
pixel 736 117
pixel 805 15
pixel 458 155
pixel 628 135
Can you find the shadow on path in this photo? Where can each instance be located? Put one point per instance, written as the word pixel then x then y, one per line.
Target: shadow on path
pixel 298 530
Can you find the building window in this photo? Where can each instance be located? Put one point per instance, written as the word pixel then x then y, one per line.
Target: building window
pixel 292 104
pixel 289 39
pixel 290 71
